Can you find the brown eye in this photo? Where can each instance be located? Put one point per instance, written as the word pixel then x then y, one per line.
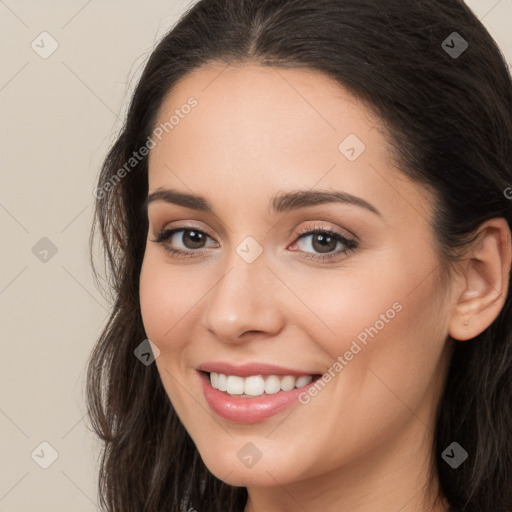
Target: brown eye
pixel 183 240
pixel 321 244
pixel 193 239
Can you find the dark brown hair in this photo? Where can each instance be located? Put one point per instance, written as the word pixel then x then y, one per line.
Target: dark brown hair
pixel 449 118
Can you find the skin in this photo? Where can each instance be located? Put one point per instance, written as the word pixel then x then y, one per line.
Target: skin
pixel 364 443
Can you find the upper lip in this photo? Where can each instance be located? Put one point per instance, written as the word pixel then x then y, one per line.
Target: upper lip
pixel 247 369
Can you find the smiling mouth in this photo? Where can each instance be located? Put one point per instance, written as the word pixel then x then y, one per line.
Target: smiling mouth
pixel 257 385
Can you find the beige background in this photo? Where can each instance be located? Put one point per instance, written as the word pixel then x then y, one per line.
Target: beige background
pixel 58 118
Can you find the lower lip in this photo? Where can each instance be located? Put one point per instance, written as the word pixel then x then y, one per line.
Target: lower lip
pixel 248 410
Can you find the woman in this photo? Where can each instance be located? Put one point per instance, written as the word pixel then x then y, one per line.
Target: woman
pixel 306 221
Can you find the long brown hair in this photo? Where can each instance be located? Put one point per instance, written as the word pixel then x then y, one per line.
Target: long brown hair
pixel 450 119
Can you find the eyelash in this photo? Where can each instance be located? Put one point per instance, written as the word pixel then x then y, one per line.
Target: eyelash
pixel 350 244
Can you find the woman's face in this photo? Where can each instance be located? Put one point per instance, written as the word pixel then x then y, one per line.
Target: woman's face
pixel 252 286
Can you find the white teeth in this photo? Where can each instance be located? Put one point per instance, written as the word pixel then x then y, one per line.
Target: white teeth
pixel 254 385
pixel 272 384
pixel 303 380
pixel 222 381
pixel 257 385
pixel 288 382
pixel 235 385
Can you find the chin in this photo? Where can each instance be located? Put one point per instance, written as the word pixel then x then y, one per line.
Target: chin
pixel 264 473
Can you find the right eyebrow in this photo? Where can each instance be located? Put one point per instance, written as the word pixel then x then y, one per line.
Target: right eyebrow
pixel 171 196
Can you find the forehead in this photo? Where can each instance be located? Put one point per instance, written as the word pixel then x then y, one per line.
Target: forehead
pixel 255 129
pixel 292 105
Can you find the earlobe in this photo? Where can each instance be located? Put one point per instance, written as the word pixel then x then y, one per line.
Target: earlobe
pixel 484 281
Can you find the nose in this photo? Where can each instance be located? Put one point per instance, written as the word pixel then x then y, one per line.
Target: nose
pixel 245 302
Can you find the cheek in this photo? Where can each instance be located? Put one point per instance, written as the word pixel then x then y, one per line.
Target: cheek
pixel 164 310
pixel 389 364
pixel 161 300
pixel 171 296
pixel 379 320
pixel 348 304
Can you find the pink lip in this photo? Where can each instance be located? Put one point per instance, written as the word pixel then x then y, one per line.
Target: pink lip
pixel 245 370
pixel 248 410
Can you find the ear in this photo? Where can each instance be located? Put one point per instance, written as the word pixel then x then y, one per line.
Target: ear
pixel 483 281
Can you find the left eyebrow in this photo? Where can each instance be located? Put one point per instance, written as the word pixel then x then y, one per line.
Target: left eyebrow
pixel 288 201
pixel 280 203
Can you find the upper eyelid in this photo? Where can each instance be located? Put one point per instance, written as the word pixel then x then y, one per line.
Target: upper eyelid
pixel 177 229
pixel 303 232
pixel 351 243
pixel 317 226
